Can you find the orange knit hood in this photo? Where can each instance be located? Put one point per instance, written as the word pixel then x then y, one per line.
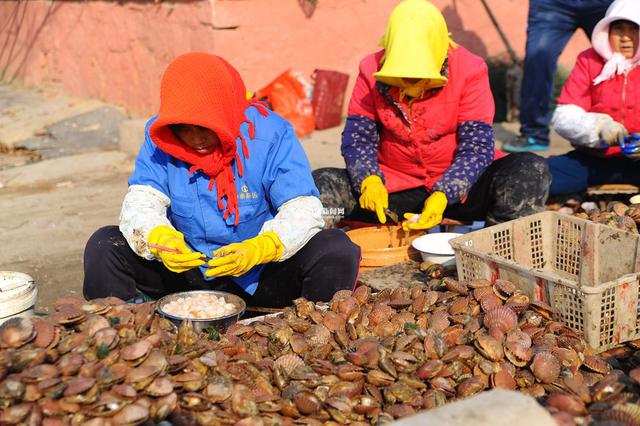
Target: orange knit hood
pixel 205 90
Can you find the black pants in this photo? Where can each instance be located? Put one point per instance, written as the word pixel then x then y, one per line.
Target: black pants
pixel 327 263
pixel 514 186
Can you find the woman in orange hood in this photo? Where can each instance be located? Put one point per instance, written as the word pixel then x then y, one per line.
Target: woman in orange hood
pixel 219 175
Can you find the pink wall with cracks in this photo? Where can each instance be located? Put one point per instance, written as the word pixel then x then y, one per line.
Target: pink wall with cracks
pixel 116 51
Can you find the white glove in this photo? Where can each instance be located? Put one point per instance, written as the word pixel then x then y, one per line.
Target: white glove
pixel 611 132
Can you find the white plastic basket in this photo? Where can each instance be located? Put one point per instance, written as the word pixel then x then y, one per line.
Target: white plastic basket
pixel 18 294
pixel 587 272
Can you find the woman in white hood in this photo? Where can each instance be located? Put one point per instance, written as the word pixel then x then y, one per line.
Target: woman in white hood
pixel 600 105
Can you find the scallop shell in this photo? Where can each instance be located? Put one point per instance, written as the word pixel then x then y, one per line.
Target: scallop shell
pixel 503 380
pixel 631 409
pixel 68 314
pixel 634 213
pixel 341 294
pixel 298 344
pixel 318 335
pixel 106 336
pixel 635 375
pixel 567 403
pixel 489 347
pixel 161 386
pixel 93 323
pixel 400 302
pixel 618 208
pixel 131 414
pixel 518 354
pixel 124 391
pixel 596 363
pixel 489 302
pixel 46 333
pixel 545 367
pixel 439 321
pixel 39 373
pixel 307 402
pixel 380 313
pixel 621 416
pixel 518 308
pixel 68 300
pixel 16 331
pixel 288 363
pixel 479 283
pixel 459 306
pixel 135 350
pixel 518 298
pixel 459 287
pixel 576 385
pixel 362 294
pixel 501 319
pixel 542 309
pixel 504 289
pixel 79 385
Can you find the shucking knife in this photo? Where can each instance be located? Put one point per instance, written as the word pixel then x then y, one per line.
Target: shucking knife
pixel 391 215
pixel 206 258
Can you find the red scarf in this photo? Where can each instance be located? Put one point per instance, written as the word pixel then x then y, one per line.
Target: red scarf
pixel 205 90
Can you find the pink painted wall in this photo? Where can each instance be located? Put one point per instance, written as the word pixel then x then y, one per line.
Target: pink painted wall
pixel 116 52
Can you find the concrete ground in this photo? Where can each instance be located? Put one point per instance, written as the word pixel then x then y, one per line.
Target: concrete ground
pixel 63 174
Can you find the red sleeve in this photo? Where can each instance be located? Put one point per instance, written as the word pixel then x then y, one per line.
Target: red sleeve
pixel 476 102
pixel 361 102
pixel 577 89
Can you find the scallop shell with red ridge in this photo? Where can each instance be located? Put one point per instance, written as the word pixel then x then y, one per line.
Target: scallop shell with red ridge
pixel 545 367
pixel 288 363
pixel 489 302
pixel 596 363
pixel 456 286
pixel 479 283
pixel 504 289
pixel 479 293
pixel 439 321
pixel 501 319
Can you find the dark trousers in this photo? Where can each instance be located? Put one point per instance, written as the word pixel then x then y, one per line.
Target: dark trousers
pixel 514 186
pixel 575 171
pixel 327 263
pixel 551 23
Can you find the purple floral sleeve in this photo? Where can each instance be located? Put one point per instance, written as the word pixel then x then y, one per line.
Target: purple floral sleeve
pixel 473 155
pixel 360 141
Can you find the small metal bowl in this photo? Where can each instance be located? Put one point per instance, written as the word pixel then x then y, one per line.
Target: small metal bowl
pixel 219 323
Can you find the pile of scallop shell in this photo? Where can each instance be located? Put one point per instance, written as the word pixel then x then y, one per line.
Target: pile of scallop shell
pixel 617 215
pixel 359 359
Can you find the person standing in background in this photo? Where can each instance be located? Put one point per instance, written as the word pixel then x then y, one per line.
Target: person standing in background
pixel 550 25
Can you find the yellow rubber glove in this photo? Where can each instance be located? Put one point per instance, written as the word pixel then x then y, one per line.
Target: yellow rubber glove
pixel 374 196
pixel 236 259
pixel 431 213
pixel 168 237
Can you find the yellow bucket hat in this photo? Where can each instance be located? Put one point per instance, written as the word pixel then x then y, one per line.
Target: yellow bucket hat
pixel 416 43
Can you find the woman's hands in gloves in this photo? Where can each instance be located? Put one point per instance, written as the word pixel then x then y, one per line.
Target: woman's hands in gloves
pixel 431 214
pixel 238 258
pixel 611 132
pixel 374 196
pixel 165 236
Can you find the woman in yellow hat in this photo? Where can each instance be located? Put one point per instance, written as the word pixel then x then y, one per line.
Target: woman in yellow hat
pixel 419 135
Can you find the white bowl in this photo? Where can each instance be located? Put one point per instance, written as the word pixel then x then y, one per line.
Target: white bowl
pixel 435 248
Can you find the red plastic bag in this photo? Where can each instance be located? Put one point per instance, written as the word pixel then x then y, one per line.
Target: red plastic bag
pixel 286 96
pixel 328 97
